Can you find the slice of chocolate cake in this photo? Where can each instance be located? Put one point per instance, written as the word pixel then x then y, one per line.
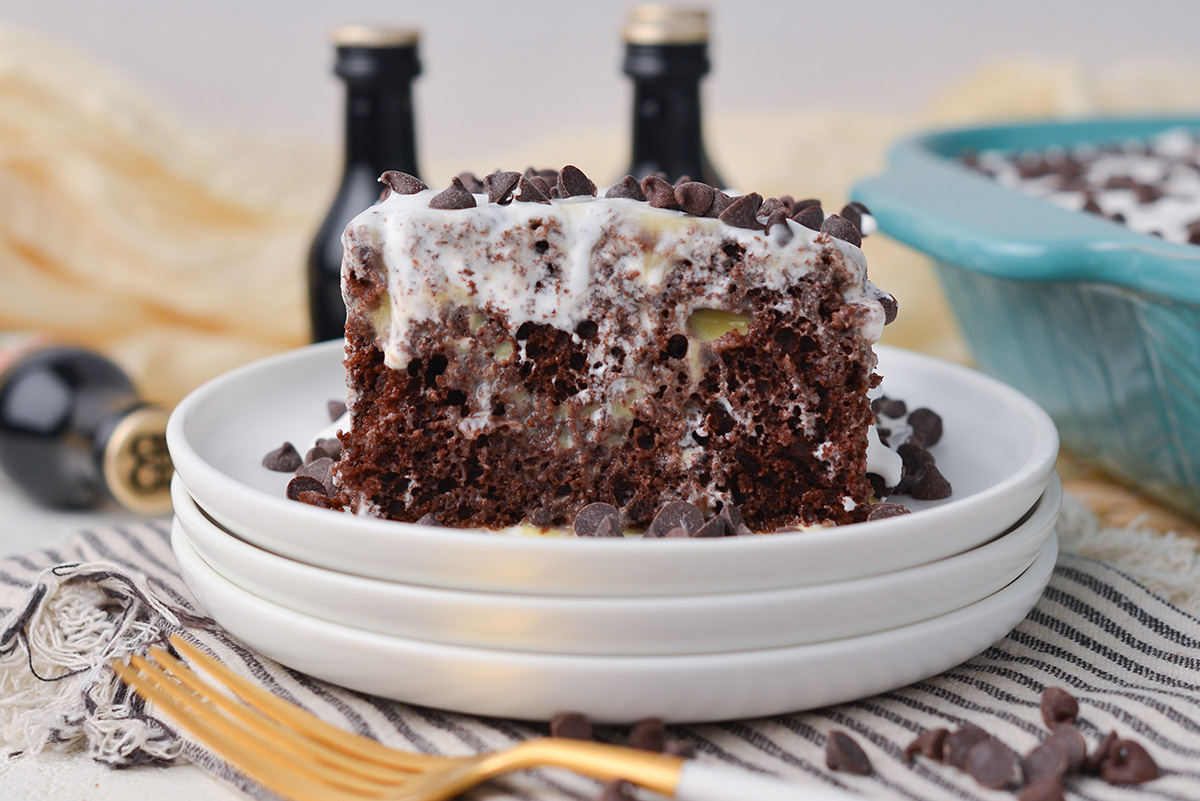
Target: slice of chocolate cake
pixel 518 348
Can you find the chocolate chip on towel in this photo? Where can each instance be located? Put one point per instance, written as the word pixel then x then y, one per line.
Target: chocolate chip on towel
pixel 649 735
pixel 928 744
pixel 598 520
pixel 1049 789
pixel 572 726
pixel 1128 763
pixel 617 790
pixel 456 196
pixel 676 514
pixel 1048 760
pixel 1058 706
pixel 284 459
pixel 992 764
pixel 959 742
pixel 1100 754
pixel 844 754
pixel 402 183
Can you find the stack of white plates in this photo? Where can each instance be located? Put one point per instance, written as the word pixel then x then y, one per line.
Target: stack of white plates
pixel 683 629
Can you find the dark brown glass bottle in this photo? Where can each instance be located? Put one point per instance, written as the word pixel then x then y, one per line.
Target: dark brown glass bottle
pixel 378 66
pixel 666 55
pixel 73 431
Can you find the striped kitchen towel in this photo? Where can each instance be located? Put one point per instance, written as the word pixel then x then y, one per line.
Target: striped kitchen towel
pixel 1130 657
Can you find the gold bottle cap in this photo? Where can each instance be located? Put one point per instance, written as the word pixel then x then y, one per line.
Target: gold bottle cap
pixel 137 468
pixel 375 36
pixel 661 23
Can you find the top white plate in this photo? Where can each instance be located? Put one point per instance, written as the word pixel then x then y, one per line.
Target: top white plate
pixel 998 451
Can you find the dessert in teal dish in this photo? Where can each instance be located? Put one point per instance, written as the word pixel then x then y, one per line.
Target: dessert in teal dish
pixel 1096 322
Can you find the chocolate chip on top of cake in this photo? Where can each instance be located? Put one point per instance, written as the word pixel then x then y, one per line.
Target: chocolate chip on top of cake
pixel 522 347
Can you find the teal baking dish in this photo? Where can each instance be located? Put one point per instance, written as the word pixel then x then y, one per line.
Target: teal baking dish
pixel 1097 323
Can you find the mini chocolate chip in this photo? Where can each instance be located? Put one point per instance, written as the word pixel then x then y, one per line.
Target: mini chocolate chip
pixel 573 183
pixel 678 531
pixel 927 432
pixel 592 516
pixel 890 307
pixel 1058 705
pixel 627 188
pixel 677 346
pixel 928 744
pixel 810 217
pixel 914 457
pixel 676 514
pixel 844 754
pixel 735 526
pixel 777 226
pixel 852 215
pixel 770 206
pixel 806 203
pixel 283 459
pixel 332 446
pixel 743 212
pixel 427 519
pixel 1070 740
pixel 543 185
pixel 695 198
pixel 659 193
pixel 500 185
pixel 840 228
pixel 617 790
pixel 300 484
pixel 648 735
pixel 887 407
pixel 453 197
pixel 336 409
pixel 679 748
pixel 321 469
pixel 1100 754
pixel 1049 789
pixel 883 510
pixel 931 485
pixel 528 192
pixel 959 742
pixel 681 180
pixel 721 201
pixel 314 453
pixel 992 764
pixel 714 527
pixel 571 726
pixel 1048 760
pixel 402 183
pixel 471 182
pixel 1128 763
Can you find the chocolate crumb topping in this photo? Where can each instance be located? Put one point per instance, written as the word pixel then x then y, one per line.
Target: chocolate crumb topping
pixel 659 194
pixel 810 217
pixel 456 196
pixel 694 197
pixel 573 183
pixel 402 183
pixel 840 228
pixel 283 459
pixel 500 186
pixel 472 183
pixel 627 188
pixel 528 192
pixel 743 212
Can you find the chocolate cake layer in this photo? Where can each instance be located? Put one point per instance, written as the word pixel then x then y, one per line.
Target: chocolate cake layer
pixel 513 364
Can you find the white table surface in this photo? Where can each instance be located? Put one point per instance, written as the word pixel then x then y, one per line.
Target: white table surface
pixel 48 776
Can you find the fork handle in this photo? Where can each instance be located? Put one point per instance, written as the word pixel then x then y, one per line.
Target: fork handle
pixel 699 781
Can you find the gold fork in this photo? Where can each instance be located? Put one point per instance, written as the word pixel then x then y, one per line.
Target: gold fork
pixel 301 757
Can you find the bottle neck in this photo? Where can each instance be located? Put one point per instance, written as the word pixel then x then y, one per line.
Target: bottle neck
pixel 667 126
pixel 380 131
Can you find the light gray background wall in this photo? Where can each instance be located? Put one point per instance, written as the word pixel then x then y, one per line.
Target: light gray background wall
pixel 499 71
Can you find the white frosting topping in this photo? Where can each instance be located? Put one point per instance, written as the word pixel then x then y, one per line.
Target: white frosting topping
pixel 486 261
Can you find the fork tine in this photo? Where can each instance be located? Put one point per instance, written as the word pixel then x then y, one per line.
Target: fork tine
pixel 301 721
pixel 247 756
pixel 265 727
